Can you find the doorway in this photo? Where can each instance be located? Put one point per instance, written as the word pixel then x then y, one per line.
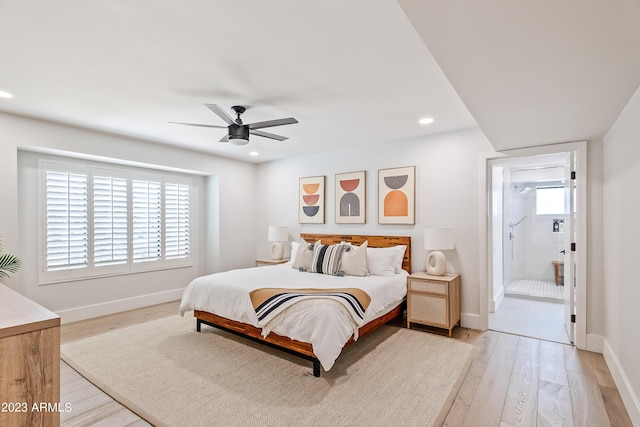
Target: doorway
pixel 530 296
pixel 534 224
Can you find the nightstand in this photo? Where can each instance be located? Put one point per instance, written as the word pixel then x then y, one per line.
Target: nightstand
pixel 433 300
pixel 263 262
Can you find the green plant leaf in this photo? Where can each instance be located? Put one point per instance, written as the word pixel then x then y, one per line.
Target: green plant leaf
pixel 9 264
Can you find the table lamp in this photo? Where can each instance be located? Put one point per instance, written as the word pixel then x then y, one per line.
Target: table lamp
pixel 436 240
pixel 277 234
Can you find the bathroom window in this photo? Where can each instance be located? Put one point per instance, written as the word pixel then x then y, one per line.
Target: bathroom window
pixel 549 200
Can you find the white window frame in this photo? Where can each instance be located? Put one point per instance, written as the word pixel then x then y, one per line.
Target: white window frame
pixel 91 271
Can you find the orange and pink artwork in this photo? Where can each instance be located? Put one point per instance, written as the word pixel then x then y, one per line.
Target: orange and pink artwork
pixel 311 203
pixel 350 198
pixel 396 195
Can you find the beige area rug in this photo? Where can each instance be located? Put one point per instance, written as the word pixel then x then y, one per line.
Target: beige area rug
pixel 172 375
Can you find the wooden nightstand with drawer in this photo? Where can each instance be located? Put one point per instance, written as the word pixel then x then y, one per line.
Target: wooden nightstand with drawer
pixel 433 300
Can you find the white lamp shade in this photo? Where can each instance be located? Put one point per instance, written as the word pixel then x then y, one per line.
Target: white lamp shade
pixel 278 234
pixel 438 239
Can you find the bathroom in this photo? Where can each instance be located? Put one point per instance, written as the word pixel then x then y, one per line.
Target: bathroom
pixel 529 220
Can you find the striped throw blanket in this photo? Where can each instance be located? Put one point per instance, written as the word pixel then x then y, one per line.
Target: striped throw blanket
pixel 270 302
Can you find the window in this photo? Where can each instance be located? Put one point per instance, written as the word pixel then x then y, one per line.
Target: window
pixel 67 213
pixel 110 221
pixel 147 221
pixel 550 201
pixel 100 221
pixel 177 214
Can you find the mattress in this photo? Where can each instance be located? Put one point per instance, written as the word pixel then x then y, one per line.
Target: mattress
pixel 322 323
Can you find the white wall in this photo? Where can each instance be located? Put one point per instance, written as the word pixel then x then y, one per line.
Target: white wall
pixel 225 196
pixel 447 194
pixel 595 279
pixel 621 173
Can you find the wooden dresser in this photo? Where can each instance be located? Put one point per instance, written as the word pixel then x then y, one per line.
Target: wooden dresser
pixel 29 362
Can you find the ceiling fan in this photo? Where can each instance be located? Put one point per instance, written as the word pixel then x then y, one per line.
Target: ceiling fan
pixel 238 132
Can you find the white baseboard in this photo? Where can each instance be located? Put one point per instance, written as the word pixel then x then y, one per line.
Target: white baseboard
pixel 629 397
pixel 497 300
pixel 110 307
pixel 594 343
pixel 471 321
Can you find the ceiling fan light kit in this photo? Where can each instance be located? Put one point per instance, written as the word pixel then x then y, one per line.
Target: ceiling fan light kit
pixel 238 135
pixel 238 132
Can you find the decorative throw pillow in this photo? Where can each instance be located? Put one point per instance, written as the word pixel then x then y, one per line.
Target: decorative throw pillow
pixel 354 260
pixel 326 259
pixel 304 255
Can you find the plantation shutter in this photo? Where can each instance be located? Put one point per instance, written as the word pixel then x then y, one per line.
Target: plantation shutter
pixel 147 220
pixel 99 221
pixel 176 202
pixel 110 221
pixel 66 221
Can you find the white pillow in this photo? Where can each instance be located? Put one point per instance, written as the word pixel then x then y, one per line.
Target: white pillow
pixel 385 261
pixel 379 262
pixel 399 257
pixel 354 260
pixel 294 252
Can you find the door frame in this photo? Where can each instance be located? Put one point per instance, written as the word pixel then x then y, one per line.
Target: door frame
pixel 485 240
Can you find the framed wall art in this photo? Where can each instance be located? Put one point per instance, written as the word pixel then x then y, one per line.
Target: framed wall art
pixel 311 200
pixel 396 195
pixel 350 198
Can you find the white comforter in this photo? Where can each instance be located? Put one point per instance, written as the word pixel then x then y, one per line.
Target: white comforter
pixel 323 325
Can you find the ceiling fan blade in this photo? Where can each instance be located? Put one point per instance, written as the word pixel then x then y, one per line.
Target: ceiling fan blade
pixel 224 138
pixel 271 123
pixel 198 125
pixel 268 135
pixel 220 112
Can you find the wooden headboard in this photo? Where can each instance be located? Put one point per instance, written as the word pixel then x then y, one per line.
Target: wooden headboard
pixel 374 242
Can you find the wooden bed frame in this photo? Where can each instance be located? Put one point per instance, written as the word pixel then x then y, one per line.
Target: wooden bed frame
pixel 299 348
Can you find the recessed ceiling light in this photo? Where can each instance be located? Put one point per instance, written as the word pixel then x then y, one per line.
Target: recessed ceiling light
pixel 5 94
pixel 426 120
pixel 253 153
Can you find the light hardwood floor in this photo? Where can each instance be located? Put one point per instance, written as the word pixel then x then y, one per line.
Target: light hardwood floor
pixel 513 381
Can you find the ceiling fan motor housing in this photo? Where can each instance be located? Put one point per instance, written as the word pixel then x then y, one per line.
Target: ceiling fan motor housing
pixel 239 134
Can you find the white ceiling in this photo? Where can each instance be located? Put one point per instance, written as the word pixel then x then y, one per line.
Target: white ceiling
pixel 535 72
pixel 352 72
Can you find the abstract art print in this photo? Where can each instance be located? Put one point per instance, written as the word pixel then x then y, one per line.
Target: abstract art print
pixel 311 200
pixel 350 198
pixel 396 195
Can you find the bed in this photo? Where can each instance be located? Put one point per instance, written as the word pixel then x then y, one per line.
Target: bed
pixel 314 330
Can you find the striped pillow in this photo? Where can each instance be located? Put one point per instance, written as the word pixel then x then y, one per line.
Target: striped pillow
pixel 326 259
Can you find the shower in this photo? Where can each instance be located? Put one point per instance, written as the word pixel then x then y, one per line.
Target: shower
pixel 513 225
pixel 522 189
